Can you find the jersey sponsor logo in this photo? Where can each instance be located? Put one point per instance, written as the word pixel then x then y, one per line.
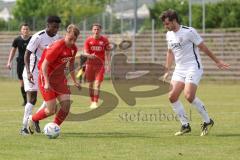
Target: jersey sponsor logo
pixel 96 48
pixel 176 45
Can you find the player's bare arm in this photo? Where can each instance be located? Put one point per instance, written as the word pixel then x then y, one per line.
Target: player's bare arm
pixel 220 64
pixel 88 55
pixel 72 73
pixel 44 73
pixel 27 65
pixel 10 58
pixel 108 60
pixel 169 62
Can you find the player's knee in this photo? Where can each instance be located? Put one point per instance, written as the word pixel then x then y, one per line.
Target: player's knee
pixel 65 106
pixel 189 97
pixel 50 111
pixel 33 100
pixel 172 98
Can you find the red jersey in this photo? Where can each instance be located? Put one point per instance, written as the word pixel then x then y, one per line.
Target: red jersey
pixel 58 55
pixel 97 47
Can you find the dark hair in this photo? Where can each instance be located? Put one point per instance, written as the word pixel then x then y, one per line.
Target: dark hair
pixel 97 24
pixel 23 24
pixel 170 14
pixel 53 19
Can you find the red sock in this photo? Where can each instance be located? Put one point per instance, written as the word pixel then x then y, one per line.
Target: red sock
pixel 60 117
pixel 39 115
pixel 95 98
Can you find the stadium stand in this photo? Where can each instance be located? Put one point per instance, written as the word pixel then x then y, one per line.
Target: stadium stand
pixel 224 44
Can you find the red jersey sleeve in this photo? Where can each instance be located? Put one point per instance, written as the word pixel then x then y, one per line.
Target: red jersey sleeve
pixel 54 50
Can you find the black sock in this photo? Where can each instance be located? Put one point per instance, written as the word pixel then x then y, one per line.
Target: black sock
pixel 24 94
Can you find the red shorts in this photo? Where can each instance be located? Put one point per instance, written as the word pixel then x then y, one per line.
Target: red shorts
pixel 57 88
pixel 94 72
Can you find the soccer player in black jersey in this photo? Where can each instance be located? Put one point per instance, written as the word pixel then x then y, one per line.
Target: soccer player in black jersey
pixel 20 44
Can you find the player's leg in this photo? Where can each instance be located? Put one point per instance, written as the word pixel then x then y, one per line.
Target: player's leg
pixel 23 92
pixel 177 85
pixel 91 91
pixel 20 67
pixel 31 101
pixel 176 89
pixel 90 78
pixel 94 94
pixel 190 90
pixel 31 95
pixel 45 112
pixel 83 77
pixel 61 115
pixel 80 73
pixel 189 93
pixel 37 125
pixel 43 105
pixel 99 76
pixel 48 110
pixel 50 102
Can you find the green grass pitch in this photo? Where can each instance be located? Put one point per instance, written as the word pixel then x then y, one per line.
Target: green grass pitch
pixel 126 133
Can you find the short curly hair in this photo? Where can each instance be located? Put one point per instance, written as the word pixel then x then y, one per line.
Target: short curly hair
pixel 170 14
pixel 53 19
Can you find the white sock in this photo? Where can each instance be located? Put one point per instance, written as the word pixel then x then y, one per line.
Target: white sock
pixel 179 110
pixel 198 104
pixel 27 113
pixel 42 106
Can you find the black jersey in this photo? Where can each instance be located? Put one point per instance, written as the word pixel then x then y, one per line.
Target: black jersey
pixel 21 44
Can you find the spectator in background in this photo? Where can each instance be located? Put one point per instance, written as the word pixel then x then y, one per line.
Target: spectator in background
pixel 20 44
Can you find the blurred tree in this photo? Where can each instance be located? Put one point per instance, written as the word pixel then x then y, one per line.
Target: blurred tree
pixel 223 14
pixel 181 6
pixel 69 10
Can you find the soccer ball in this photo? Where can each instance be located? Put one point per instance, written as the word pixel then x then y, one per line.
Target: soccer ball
pixel 51 130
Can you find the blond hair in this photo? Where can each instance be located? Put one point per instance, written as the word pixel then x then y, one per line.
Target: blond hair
pixel 72 28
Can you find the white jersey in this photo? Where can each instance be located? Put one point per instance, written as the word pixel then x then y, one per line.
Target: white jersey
pixel 183 44
pixel 37 44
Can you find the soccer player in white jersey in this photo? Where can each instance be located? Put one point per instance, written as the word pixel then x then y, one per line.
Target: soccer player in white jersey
pixel 183 47
pixel 37 44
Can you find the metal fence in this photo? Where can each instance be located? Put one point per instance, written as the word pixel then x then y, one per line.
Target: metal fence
pixel 148 44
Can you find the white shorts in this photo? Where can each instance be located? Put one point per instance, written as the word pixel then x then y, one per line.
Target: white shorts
pixel 187 75
pixel 27 85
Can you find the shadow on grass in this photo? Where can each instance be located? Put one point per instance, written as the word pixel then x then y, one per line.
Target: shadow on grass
pixel 228 135
pixel 107 135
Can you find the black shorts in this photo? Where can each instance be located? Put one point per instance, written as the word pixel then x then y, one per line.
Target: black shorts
pixel 20 67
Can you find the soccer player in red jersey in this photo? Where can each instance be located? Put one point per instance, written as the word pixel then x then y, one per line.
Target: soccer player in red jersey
pixel 96 47
pixel 52 80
